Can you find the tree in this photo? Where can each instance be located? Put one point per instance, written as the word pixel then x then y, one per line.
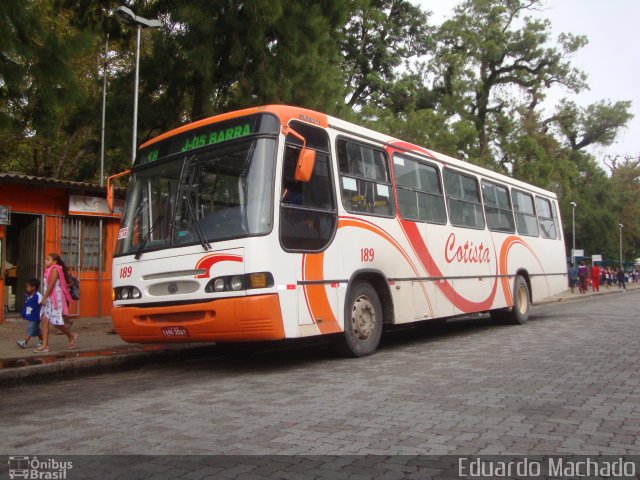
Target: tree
pixel 597 124
pixel 378 37
pixel 41 86
pixel 625 193
pixel 481 55
pixel 209 57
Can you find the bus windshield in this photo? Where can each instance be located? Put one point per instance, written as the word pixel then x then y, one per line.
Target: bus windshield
pixel 209 195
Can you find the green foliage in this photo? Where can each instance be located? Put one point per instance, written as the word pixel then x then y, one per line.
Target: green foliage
pixel 378 37
pixel 597 124
pixel 625 189
pixel 41 85
pixel 472 87
pixel 480 52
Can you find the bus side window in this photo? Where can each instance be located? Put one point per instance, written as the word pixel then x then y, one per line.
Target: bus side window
pixel 463 199
pixel 556 222
pixel 525 213
pixel 419 190
pixel 545 218
pixel 364 179
pixel 497 207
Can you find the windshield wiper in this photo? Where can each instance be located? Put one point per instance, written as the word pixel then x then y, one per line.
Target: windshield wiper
pixel 147 236
pixel 203 240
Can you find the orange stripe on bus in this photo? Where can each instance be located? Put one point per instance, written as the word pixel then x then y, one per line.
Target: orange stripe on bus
pixel 316 295
pixel 361 223
pixel 504 254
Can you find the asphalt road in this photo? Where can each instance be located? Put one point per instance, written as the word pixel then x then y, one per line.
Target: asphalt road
pixel 567 382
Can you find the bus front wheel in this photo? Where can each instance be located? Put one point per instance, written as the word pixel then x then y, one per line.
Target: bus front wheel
pixel 362 321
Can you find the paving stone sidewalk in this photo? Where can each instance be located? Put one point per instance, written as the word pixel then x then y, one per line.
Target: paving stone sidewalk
pixel 98 349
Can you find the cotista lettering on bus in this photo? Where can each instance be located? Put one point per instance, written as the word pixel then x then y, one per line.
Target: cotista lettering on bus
pixel 466 253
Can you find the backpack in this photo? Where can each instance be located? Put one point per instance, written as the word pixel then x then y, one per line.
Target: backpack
pixel 74 287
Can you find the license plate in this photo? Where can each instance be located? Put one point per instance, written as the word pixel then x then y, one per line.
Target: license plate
pixel 175 332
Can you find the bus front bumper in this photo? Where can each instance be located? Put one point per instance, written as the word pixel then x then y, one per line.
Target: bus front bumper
pixel 251 318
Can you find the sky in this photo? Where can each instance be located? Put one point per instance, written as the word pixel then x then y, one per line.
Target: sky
pixel 611 59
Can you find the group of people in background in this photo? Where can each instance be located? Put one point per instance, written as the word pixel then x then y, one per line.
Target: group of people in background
pixel 583 277
pixel 42 310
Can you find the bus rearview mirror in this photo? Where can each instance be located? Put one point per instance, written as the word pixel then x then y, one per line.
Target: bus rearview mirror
pixel 110 188
pixel 304 167
pixel 110 197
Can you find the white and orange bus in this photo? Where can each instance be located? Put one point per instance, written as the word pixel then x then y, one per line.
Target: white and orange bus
pixel 280 222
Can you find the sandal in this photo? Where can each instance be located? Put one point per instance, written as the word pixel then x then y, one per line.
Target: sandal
pixel 73 343
pixel 41 349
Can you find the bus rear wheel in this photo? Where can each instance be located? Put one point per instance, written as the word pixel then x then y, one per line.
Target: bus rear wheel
pixel 519 313
pixel 362 321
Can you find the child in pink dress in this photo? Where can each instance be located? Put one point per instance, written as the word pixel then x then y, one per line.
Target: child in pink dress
pixel 54 302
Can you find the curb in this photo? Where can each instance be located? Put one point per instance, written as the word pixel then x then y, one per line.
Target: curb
pixel 98 362
pixel 577 296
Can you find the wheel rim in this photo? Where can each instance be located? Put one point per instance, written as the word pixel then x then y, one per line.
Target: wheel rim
pixel 363 318
pixel 522 300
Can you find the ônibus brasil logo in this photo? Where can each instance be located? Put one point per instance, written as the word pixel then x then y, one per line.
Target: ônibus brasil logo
pixel 36 469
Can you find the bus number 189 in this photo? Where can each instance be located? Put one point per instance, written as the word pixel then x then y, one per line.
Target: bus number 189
pixel 367 254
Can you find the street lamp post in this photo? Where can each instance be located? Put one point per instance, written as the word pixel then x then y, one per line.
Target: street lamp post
pixel 573 233
pixel 621 225
pixel 127 16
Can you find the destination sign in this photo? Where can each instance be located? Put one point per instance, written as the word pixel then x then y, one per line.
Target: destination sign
pixel 207 135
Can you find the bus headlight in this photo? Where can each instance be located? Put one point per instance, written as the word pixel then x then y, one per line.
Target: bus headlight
pixel 127 293
pixel 218 285
pixel 236 282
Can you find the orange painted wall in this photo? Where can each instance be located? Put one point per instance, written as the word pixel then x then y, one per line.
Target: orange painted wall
pixel 26 198
pixel 53 203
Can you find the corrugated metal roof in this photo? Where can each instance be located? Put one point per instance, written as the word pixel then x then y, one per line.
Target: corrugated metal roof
pixel 22 178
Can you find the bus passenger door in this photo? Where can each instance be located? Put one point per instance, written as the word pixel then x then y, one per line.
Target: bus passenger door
pixel 308 220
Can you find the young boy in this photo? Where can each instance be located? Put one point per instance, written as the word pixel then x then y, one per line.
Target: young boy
pixel 31 312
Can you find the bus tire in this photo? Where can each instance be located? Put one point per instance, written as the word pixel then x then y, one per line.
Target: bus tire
pixel 519 314
pixel 362 321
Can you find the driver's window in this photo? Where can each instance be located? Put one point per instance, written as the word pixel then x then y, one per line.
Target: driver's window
pixel 307 209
